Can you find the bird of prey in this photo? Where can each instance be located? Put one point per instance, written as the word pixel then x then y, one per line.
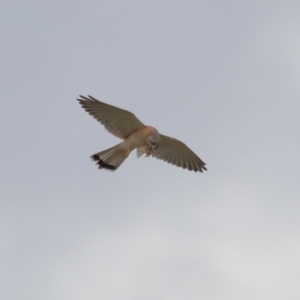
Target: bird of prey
pixel 146 139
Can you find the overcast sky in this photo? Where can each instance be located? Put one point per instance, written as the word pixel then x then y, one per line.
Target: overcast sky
pixel 223 77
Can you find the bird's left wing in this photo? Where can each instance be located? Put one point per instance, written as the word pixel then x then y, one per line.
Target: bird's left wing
pixel 117 121
pixel 177 153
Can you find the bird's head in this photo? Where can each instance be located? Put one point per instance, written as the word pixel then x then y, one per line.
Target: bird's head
pixel 153 140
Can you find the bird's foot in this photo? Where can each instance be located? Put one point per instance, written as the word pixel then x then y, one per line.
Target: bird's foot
pixel 148 152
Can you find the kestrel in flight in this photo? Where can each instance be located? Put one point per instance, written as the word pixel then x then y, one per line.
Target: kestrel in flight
pixel 146 139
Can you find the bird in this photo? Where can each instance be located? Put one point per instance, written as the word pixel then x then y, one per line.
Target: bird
pixel 146 139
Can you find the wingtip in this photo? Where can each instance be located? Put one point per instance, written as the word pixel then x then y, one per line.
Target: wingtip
pixel 88 98
pixel 81 98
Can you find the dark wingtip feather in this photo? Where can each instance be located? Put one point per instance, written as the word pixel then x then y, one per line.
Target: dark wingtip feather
pixel 83 98
pixel 92 98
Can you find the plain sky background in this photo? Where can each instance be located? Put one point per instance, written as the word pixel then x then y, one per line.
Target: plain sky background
pixel 223 77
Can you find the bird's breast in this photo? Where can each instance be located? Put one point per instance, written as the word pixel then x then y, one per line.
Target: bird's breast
pixel 139 138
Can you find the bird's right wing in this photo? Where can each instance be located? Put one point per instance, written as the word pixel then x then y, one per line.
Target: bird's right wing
pixel 117 121
pixel 177 153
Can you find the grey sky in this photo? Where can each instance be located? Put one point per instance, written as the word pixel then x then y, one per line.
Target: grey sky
pixel 223 77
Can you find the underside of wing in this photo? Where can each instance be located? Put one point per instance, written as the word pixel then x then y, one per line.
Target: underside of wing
pixel 117 121
pixel 177 153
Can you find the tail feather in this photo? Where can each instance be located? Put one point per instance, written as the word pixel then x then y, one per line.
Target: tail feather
pixel 110 159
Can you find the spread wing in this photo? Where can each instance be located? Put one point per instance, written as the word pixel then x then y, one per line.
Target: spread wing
pixel 117 121
pixel 177 153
